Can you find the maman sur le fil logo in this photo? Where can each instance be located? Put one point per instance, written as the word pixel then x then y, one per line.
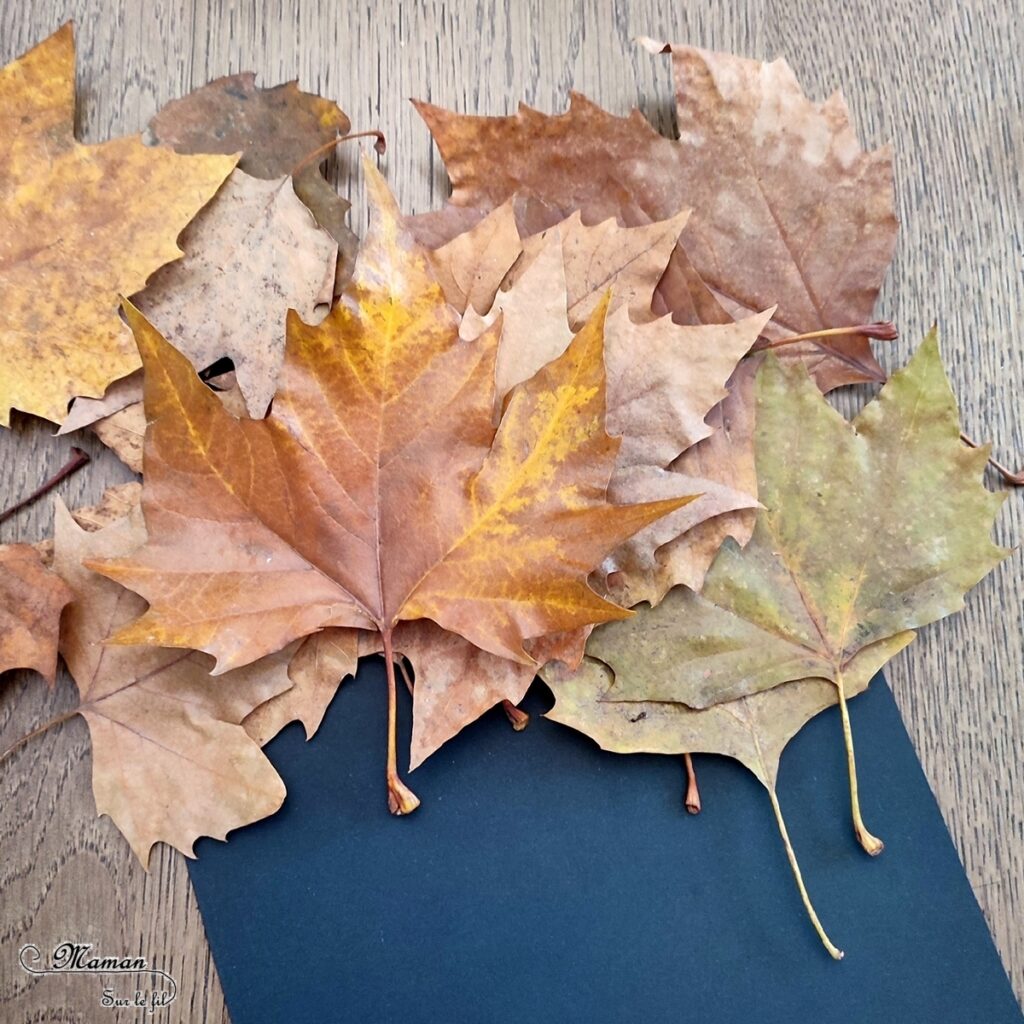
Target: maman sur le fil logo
pixel 140 985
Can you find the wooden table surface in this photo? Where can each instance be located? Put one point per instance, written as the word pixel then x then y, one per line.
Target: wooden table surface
pixel 942 81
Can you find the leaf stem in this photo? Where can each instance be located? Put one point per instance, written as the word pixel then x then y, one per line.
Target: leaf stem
pixel 328 147
pixel 76 462
pixel 833 950
pixel 38 731
pixel 403 664
pixel 1009 476
pixel 883 330
pixel 872 844
pixel 401 799
pixel 520 719
pixel 692 799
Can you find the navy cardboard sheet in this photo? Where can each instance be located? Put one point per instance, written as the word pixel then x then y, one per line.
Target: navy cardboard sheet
pixel 545 881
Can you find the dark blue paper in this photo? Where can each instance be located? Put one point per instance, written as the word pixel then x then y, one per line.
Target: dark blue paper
pixel 544 880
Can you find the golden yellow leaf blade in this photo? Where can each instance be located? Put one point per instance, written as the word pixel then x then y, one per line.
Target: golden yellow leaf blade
pixel 82 226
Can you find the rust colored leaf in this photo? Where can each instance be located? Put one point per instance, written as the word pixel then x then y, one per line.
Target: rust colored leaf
pixel 170 760
pixel 31 600
pixel 788 209
pixel 377 490
pixel 82 226
pixel 250 256
pixel 275 130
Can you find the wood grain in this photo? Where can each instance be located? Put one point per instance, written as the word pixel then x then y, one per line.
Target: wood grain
pixel 943 81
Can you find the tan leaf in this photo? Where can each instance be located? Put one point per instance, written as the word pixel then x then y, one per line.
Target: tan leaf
pixel 603 257
pixel 471 267
pixel 276 130
pixel 31 599
pixel 83 225
pixel 86 411
pixel 250 256
pixel 317 669
pixel 170 760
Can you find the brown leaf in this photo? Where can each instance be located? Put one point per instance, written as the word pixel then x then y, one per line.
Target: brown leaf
pixel 787 207
pixel 82 226
pixel 123 433
pixel 721 468
pixel 31 599
pixel 275 130
pixel 86 411
pixel 250 256
pixel 317 669
pixel 376 490
pixel 471 267
pixel 456 683
pixel 170 760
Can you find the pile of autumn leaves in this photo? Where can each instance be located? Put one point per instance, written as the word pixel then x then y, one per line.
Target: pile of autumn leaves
pixel 475 440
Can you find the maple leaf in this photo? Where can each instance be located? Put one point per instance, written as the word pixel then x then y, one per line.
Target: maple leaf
pixel 250 256
pixel 456 682
pixel 377 489
pixel 754 730
pixel 276 130
pixel 31 599
pixel 82 226
pixel 471 267
pixel 869 529
pixel 788 209
pixel 664 379
pixel 317 669
pixel 170 760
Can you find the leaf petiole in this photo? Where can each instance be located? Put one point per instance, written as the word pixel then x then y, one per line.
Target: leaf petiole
pixel 872 844
pixel 401 799
pixel 520 719
pixel 76 462
pixel 692 798
pixel 833 950
pixel 60 719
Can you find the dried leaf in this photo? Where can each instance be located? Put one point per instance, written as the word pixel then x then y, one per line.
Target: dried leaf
pixel 869 529
pixel 532 314
pixel 276 130
pixel 787 207
pixel 86 411
pixel 83 225
pixel 456 683
pixel 250 256
pixel 317 669
pixel 606 256
pixel 754 730
pixel 376 490
pixel 170 760
pixel 31 600
pixel 471 267
pixel 721 467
